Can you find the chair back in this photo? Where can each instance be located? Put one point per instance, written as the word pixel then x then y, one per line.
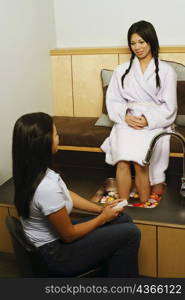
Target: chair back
pixel 29 259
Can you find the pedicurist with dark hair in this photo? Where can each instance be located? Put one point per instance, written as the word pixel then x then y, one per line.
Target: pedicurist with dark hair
pixel 44 204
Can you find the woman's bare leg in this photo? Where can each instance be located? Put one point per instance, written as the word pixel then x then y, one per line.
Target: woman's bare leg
pixel 123 178
pixel 142 182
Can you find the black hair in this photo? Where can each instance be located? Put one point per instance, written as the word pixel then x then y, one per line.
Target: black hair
pixel 32 155
pixel 147 31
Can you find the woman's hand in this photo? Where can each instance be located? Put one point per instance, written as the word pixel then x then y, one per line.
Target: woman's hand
pixel 112 212
pixel 114 203
pixel 109 213
pixel 136 122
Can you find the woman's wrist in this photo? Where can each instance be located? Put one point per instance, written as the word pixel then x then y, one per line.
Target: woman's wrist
pixel 100 209
pixel 101 219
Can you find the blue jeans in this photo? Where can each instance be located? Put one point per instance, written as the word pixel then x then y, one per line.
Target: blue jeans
pixel 116 244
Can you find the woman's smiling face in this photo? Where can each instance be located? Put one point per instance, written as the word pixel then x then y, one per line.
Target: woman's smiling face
pixel 139 47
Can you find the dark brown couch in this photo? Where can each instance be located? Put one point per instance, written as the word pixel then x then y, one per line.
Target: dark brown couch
pixel 81 132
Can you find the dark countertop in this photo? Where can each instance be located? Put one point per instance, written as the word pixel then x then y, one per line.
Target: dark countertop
pixel 171 209
pixel 86 182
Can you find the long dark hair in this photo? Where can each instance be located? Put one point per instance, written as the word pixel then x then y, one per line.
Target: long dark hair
pixel 32 155
pixel 147 31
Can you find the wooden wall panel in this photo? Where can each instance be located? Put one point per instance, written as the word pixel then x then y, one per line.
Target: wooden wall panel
pixel 123 58
pixel 13 211
pixel 62 85
pixel 87 89
pixel 171 252
pixel 147 252
pixel 5 242
pixel 109 50
pixel 177 57
pixel 76 76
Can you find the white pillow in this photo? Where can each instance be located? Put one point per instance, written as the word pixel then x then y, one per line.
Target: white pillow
pixel 104 121
pixel 180 120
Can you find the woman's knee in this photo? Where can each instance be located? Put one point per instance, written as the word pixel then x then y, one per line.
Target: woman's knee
pixel 127 229
pixel 129 235
pixel 133 227
pixel 133 236
pixel 138 167
pixel 124 218
pixel 133 232
pixel 137 232
pixel 123 165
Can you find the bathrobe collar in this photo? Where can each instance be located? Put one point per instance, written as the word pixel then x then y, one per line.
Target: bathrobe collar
pixel 143 78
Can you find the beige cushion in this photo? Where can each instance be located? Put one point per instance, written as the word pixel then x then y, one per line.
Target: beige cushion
pixel 180 120
pixel 104 120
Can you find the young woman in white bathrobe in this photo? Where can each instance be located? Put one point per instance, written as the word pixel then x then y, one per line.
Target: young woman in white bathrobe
pixel 141 101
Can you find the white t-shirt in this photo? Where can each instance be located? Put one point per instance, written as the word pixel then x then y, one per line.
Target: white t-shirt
pixel 50 196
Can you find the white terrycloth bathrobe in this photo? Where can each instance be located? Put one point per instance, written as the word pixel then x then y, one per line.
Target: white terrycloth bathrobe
pixel 140 96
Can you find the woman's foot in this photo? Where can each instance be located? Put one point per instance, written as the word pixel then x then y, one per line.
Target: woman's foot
pixel 97 196
pixel 158 188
